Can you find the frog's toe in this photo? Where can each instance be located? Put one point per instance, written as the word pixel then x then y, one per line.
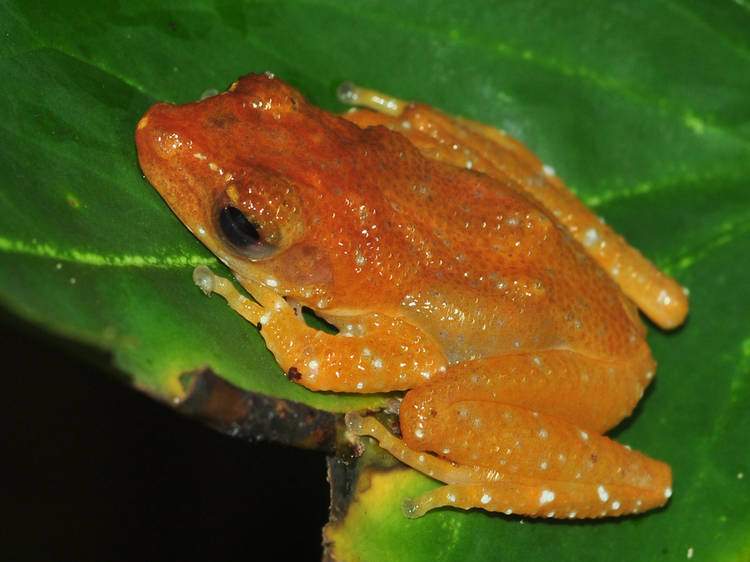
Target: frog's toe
pixel 211 283
pixel 355 423
pixel 411 508
pixel 204 278
pixel 352 94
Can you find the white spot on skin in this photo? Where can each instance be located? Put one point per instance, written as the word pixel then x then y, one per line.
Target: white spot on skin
pixel 584 436
pixel 664 299
pixel 591 237
pixel 615 505
pixel 419 434
pixel 486 498
pixel 543 434
pixel 573 514
pixel 667 492
pixel 546 497
pixel 272 282
pixel 603 494
pixel 451 497
pixel 377 363
pixel 361 385
pixel 548 170
pixel 543 465
pixel 509 511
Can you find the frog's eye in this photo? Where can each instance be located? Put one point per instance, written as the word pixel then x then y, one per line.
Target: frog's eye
pixel 244 236
pixel 259 214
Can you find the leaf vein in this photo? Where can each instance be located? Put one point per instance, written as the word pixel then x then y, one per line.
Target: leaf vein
pixel 45 250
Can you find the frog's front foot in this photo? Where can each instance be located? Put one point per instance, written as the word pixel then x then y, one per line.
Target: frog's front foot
pixel 253 312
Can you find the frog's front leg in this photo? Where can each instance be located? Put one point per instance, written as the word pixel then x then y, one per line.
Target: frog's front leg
pixel 517 439
pixel 371 353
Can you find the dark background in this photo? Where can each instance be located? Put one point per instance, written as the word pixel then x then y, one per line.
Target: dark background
pixel 101 471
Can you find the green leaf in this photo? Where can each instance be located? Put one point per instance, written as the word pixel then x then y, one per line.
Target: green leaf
pixel 642 108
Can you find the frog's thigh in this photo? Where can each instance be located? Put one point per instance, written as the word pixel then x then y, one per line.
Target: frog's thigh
pixel 658 295
pixel 590 392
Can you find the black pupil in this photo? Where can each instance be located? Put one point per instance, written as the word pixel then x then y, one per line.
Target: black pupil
pixel 238 230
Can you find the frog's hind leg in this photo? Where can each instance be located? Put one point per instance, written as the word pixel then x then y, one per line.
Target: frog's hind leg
pixel 610 480
pixel 469 144
pixel 522 433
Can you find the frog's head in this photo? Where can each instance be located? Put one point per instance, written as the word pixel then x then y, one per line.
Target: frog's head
pixel 255 173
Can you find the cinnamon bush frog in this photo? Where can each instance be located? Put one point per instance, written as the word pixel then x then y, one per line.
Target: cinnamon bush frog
pixel 456 267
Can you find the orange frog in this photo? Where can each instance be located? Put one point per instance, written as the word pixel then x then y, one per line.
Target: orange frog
pixel 455 266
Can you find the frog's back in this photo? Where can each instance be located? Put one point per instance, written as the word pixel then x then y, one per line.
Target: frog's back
pixel 499 274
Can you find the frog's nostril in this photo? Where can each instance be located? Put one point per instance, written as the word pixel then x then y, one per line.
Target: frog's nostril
pixel 166 143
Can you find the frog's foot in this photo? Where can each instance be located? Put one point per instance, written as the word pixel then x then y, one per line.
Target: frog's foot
pixel 251 311
pixel 356 95
pixel 624 482
pixel 397 352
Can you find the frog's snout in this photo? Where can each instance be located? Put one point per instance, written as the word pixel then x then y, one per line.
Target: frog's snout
pixel 156 136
